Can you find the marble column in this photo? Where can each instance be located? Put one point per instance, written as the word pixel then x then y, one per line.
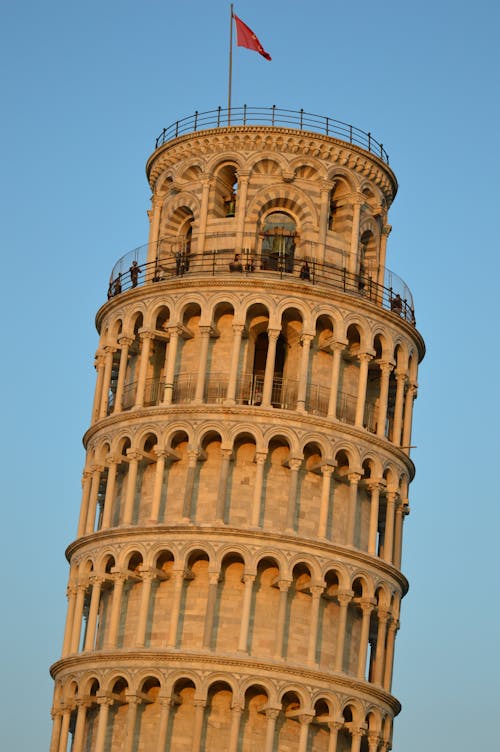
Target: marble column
pixel 272 716
pixel 213 583
pixel 385 372
pixel 125 343
pixel 389 526
pixel 106 381
pixel 205 332
pixel 344 598
pixel 220 505
pixel 249 580
pixel 316 592
pixel 294 464
pixel 326 472
pixel 112 463
pixel 337 349
pixel 260 460
pixel 189 485
pixel 305 341
pixel 284 586
pixel 374 488
pixel 267 391
pixel 133 458
pixel 364 359
pixel 95 599
pixel 170 367
pixel 165 704
pixel 398 407
pixel 146 340
pixel 238 330
pixel 367 605
pixel 383 618
pixel 352 513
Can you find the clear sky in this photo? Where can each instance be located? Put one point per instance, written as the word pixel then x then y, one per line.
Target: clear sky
pixel 86 89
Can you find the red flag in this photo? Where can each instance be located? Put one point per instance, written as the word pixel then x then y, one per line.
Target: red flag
pixel 246 38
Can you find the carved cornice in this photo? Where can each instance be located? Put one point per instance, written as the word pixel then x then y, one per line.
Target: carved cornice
pixel 286 141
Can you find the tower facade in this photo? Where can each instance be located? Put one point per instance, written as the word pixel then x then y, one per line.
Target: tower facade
pixel 235 582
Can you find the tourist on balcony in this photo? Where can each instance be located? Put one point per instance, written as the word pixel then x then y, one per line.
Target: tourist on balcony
pixel 134 271
pixel 236 265
pixel 397 304
pixel 117 285
pixel 305 272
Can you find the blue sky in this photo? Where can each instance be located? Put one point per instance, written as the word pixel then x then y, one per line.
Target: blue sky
pixel 86 89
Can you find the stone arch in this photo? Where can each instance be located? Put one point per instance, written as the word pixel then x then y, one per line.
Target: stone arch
pixel 286 198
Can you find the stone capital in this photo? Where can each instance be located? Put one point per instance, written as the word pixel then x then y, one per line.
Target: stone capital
pixel 344 597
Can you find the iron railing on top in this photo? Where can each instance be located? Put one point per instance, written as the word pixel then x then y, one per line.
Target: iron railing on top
pixel 273 116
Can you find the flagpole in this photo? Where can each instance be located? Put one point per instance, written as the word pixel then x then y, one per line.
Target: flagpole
pixel 230 64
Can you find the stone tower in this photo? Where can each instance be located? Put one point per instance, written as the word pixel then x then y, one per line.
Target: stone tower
pixel 235 582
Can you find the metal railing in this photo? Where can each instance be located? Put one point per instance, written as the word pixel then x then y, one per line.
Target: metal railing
pixel 274 117
pixel 175 260
pixel 249 391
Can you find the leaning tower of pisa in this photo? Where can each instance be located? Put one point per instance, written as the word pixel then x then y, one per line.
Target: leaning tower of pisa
pixel 235 582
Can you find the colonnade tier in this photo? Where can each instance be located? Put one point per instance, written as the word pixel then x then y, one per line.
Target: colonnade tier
pixel 299 353
pixel 254 710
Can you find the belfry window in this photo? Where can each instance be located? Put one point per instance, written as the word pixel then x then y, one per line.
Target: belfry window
pixel 279 235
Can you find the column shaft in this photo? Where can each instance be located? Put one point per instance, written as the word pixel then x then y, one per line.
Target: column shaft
pixel 344 600
pixel 364 359
pixel 170 368
pixel 116 607
pixel 385 371
pixel 374 507
pixel 260 458
pixel 106 381
pixel 210 610
pixel 235 359
pixel 220 505
pixel 248 579
pixel 316 592
pixel 327 471
pixel 147 581
pixel 280 621
pixel 389 526
pixel 303 373
pixel 189 486
pixel 77 619
pixel 367 608
pixel 334 381
pixel 166 704
pixel 122 370
pixel 93 612
pixel 146 339
pixel 398 407
pixel 267 391
pixel 110 492
pixel 158 484
pixel 353 508
pixel 292 493
pixel 133 466
pixel 202 365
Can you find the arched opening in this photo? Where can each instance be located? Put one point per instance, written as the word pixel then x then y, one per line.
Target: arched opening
pixel 279 236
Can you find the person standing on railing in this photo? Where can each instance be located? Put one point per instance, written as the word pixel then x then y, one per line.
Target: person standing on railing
pixel 134 270
pixel 117 285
